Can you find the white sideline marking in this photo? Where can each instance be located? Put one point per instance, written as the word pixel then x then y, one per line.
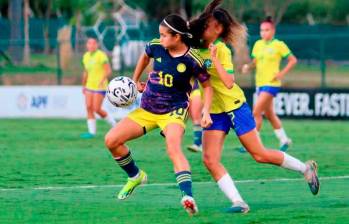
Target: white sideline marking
pixel 168 184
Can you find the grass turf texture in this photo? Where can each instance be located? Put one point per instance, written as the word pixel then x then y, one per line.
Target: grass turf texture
pixel 38 154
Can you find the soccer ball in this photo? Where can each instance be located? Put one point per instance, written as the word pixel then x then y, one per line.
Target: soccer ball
pixel 122 91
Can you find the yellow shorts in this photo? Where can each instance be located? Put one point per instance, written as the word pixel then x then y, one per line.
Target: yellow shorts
pixel 194 93
pixel 150 121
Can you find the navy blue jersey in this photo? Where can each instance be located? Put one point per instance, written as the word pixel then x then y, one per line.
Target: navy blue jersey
pixel 168 86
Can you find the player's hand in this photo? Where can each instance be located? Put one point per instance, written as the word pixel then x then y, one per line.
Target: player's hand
pixel 245 69
pixel 278 76
pixel 140 86
pixel 213 50
pixel 206 120
pixel 83 90
pixel 101 84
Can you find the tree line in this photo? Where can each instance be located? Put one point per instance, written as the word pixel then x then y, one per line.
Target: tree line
pixel 250 11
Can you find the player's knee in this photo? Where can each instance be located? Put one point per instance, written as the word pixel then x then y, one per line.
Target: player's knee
pixel 256 113
pixel 96 109
pixel 112 142
pixel 260 158
pixel 89 108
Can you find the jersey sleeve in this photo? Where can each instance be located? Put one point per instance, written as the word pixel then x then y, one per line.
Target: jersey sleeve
pixel 200 72
pixel 83 61
pixel 103 58
pixel 150 47
pixel 225 57
pixel 284 50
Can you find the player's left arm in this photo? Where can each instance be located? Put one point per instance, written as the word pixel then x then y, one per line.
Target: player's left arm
pixel 291 61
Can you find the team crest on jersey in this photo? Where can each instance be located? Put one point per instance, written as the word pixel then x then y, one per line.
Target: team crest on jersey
pixel 208 63
pixel 270 50
pixel 181 67
pixel 158 60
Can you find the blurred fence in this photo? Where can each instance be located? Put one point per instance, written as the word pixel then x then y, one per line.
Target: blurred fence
pixel 323 53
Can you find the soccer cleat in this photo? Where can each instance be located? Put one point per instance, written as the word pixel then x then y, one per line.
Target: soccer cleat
pixel 242 149
pixel 131 184
pixel 238 207
pixel 311 177
pixel 285 145
pixel 87 135
pixel 195 148
pixel 189 205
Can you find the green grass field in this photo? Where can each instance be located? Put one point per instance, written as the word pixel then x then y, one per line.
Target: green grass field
pixel 49 175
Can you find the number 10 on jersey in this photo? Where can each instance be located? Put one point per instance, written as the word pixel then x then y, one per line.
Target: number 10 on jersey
pixel 166 80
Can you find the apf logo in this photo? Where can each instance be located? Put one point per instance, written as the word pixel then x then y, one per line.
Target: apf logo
pixel 39 102
pixel 36 102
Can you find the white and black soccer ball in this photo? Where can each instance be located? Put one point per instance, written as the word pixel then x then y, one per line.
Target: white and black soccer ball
pixel 122 91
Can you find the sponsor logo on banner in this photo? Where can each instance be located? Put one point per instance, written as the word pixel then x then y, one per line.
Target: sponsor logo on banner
pixel 315 104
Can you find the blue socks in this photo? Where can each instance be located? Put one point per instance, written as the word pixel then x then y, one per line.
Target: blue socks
pixel 184 182
pixel 197 134
pixel 128 164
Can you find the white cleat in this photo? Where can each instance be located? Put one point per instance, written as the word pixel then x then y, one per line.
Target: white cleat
pixel 189 205
pixel 238 207
pixel 195 148
pixel 311 177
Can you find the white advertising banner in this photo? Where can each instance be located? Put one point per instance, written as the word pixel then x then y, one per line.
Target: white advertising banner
pixel 50 102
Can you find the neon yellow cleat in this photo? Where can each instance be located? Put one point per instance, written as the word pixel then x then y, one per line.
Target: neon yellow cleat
pixel 131 184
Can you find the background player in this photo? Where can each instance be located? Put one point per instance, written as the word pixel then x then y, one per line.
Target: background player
pixel 229 108
pixel 94 82
pixel 267 54
pixel 164 104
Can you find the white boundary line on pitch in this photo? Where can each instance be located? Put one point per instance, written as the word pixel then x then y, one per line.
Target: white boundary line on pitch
pixel 166 184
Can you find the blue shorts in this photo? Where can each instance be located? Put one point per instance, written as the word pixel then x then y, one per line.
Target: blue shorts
pixel 241 120
pixel 103 92
pixel 273 90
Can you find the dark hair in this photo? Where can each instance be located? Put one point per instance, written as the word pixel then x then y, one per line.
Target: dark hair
pixel 269 19
pixel 177 25
pixel 233 33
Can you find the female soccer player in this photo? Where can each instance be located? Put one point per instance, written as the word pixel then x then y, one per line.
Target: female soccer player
pixel 230 110
pixel 164 104
pixel 195 107
pixel 267 54
pixel 94 82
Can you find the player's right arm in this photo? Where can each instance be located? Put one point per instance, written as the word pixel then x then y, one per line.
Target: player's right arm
pixel 142 63
pixel 84 74
pixel 246 68
pixel 84 81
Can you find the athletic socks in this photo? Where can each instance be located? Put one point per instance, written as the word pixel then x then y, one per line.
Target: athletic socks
pixel 226 184
pixel 110 120
pixel 184 182
pixel 197 135
pixel 292 163
pixel 281 135
pixel 91 126
pixel 128 164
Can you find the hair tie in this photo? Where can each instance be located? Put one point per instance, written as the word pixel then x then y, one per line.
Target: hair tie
pixel 189 35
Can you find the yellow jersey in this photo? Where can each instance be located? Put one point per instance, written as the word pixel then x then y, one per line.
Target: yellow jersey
pixel 224 99
pixel 93 63
pixel 268 55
